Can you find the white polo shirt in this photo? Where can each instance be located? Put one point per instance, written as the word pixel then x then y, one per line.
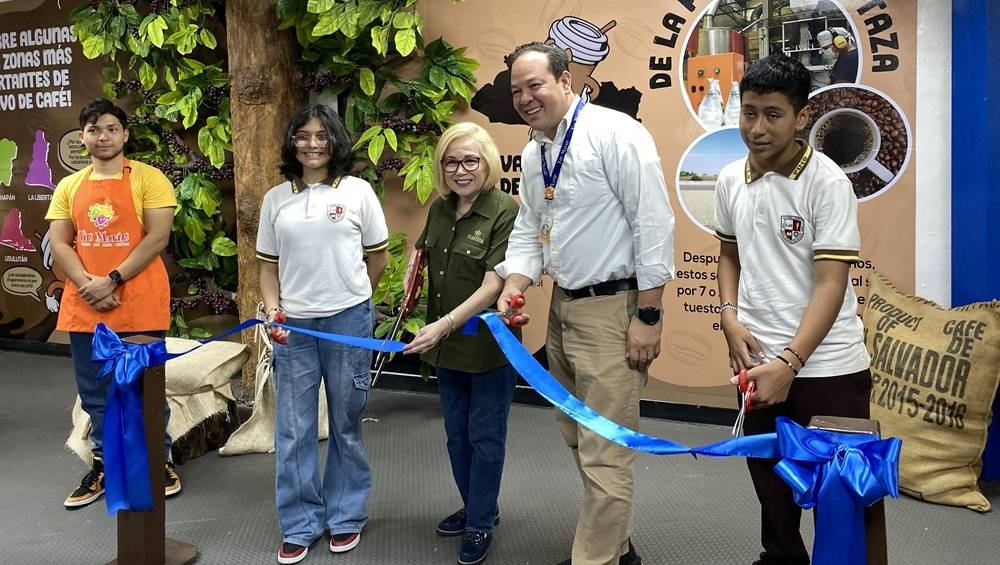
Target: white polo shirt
pixel 318 235
pixel 783 222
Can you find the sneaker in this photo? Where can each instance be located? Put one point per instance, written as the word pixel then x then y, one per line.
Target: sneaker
pixel 474 546
pixel 91 487
pixel 173 484
pixel 454 525
pixel 291 553
pixel 339 543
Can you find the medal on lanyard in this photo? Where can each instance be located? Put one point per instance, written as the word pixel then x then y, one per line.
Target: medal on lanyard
pixel 552 177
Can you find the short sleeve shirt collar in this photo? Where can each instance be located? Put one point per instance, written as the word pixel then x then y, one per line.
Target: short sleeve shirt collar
pixel 791 168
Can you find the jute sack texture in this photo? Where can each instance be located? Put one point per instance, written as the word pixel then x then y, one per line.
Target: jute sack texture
pixel 256 435
pixel 935 373
pixel 198 387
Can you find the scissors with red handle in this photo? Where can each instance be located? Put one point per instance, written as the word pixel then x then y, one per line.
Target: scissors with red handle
pixel 514 317
pixel 747 389
pixel 413 285
pixel 276 333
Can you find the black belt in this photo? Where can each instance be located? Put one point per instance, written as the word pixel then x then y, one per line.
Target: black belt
pixel 606 288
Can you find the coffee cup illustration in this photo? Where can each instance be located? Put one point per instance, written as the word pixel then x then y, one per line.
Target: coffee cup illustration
pixel 586 45
pixel 852 139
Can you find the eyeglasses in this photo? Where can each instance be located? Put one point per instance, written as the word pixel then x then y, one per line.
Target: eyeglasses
pixel 302 139
pixel 470 164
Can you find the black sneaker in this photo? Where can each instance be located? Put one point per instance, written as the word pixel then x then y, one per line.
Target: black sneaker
pixel 172 483
pixel 474 547
pixel 91 487
pixel 454 525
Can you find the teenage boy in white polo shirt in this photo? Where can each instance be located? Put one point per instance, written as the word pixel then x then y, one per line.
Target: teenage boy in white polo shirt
pixel 786 216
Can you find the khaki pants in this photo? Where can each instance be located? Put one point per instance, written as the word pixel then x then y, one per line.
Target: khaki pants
pixel 586 346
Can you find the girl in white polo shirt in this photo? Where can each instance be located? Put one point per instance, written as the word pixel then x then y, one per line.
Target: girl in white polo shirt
pixel 322 244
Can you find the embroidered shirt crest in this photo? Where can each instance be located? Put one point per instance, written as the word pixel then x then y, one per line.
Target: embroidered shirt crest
pixel 791 228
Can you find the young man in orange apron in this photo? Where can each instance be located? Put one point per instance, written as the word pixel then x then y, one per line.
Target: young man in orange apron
pixel 109 223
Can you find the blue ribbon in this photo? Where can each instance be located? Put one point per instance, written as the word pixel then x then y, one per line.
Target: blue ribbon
pixel 845 473
pixel 126 478
pixel 126 467
pixel 763 445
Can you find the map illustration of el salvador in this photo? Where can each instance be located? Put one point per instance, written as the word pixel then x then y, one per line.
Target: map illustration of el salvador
pixel 587 45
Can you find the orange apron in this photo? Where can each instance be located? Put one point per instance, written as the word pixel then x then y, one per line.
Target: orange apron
pixel 107 230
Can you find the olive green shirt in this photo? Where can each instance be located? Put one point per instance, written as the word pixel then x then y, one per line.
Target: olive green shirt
pixel 459 253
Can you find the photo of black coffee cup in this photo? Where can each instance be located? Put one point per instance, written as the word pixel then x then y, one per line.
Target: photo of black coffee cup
pixel 864 132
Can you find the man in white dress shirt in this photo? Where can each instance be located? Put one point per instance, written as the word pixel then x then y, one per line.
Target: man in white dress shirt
pixel 594 217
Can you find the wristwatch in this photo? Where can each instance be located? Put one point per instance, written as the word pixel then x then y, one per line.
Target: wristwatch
pixel 649 315
pixel 115 277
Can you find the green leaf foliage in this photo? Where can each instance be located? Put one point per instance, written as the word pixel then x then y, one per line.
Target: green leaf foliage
pixel 165 66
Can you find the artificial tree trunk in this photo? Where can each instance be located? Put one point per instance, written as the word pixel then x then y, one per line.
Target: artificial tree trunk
pixel 264 94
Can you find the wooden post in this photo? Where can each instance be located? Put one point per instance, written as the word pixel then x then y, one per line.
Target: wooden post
pixel 875 534
pixel 141 535
pixel 264 92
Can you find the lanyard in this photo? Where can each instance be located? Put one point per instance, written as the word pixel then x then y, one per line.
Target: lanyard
pixel 551 178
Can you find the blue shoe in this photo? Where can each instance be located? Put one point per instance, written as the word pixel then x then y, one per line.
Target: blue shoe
pixel 474 546
pixel 453 525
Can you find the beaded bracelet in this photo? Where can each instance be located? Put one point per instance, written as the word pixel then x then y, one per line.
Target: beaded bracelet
pixel 726 306
pixel 795 372
pixel 797 356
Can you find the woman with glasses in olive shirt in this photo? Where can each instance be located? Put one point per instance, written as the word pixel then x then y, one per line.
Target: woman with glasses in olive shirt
pixel 464 238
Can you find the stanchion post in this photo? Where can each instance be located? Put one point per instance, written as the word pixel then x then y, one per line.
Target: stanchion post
pixel 875 534
pixel 141 535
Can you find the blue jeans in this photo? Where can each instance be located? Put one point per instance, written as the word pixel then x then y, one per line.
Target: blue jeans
pixel 305 504
pixel 475 407
pixel 94 394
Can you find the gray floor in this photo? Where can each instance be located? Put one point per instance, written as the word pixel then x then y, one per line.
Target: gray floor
pixel 687 511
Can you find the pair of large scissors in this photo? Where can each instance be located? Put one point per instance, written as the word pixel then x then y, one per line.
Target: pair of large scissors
pixel 747 389
pixel 514 317
pixel 276 333
pixel 413 285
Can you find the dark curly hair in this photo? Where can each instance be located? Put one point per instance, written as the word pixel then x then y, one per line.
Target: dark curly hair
pixel 339 148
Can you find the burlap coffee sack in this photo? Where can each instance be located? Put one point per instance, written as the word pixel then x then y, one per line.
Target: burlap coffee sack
pixel 935 373
pixel 197 385
pixel 256 435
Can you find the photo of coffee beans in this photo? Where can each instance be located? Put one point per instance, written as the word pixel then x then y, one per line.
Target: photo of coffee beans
pixel 894 133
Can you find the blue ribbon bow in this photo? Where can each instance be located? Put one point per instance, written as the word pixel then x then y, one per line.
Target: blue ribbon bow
pixel 126 469
pixel 843 472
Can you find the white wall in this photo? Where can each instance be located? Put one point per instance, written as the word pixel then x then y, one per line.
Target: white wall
pixel 933 143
